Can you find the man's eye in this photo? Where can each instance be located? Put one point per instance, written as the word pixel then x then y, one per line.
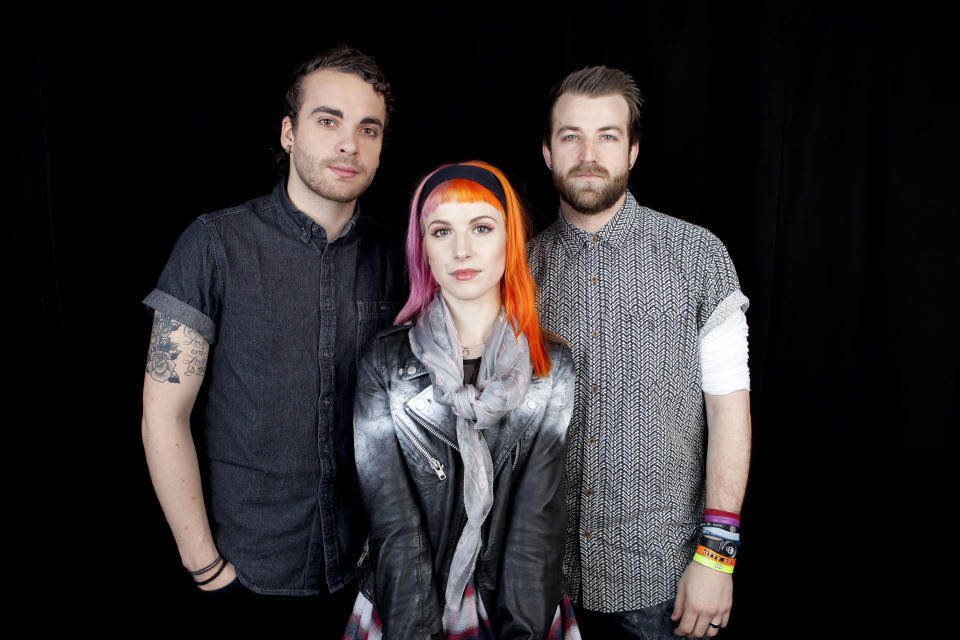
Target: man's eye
pixel 569 136
pixel 370 131
pixel 326 122
pixel 608 136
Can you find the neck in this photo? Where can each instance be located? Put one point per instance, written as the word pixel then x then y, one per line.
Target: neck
pixel 474 319
pixel 331 215
pixel 591 222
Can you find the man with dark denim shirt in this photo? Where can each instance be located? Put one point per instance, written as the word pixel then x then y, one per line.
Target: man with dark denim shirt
pixel 282 293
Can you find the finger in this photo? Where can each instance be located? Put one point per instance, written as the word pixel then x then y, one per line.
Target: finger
pixel 678 606
pixel 701 627
pixel 687 624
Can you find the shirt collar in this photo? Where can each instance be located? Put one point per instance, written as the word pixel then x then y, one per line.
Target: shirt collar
pixel 614 233
pixel 304 226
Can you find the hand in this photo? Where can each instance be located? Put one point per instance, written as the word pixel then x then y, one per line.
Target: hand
pixel 226 576
pixel 704 595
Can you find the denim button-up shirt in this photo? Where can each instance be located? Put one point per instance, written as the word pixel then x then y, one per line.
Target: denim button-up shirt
pixel 287 314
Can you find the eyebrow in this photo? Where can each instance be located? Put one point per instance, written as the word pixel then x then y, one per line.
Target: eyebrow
pixel 476 219
pixel 609 127
pixel 337 113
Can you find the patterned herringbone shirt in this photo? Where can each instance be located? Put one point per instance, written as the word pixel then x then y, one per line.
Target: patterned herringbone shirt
pixel 633 301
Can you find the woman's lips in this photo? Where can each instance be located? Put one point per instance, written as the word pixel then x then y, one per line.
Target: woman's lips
pixel 464 274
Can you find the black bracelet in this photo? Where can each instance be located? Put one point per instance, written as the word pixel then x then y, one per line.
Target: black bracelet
pixel 726 548
pixel 208 567
pixel 214 576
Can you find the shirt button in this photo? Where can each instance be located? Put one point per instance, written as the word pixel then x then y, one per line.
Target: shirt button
pixel 586 534
pixel 327 353
pixel 326 401
pixel 595 333
pixel 531 404
pixel 411 370
pixel 594 278
pixel 594 388
pixel 314 227
pixel 594 238
pixel 588 492
pixel 591 440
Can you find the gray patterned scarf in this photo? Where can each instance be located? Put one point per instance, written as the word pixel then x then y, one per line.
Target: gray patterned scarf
pixel 501 384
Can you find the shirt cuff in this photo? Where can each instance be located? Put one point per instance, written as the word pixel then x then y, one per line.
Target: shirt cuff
pixel 183 313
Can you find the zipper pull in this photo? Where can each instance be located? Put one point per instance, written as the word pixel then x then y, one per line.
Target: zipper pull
pixel 438 468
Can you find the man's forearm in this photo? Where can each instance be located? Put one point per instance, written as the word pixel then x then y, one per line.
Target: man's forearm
pixel 728 449
pixel 175 473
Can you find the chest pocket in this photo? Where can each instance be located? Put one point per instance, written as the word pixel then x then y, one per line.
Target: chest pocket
pixel 373 315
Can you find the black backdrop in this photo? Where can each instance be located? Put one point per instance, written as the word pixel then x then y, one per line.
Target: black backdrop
pixel 818 140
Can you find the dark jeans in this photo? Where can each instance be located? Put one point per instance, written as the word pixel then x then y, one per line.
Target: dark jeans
pixel 651 623
pixel 235 611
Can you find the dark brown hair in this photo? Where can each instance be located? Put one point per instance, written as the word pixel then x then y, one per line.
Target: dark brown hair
pixel 344 59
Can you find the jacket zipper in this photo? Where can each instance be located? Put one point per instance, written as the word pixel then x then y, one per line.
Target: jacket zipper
pixel 433 431
pixel 433 462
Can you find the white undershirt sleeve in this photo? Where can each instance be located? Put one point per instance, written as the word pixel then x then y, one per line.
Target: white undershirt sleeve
pixel 723 356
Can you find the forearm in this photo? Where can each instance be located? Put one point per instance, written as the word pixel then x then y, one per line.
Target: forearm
pixel 175 473
pixel 728 449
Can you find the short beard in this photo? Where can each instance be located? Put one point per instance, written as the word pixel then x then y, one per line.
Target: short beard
pixel 311 174
pixel 591 200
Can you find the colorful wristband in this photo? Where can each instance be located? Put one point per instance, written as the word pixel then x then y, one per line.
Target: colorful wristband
pixel 712 519
pixel 717 512
pixel 722 568
pixel 726 548
pixel 716 557
pixel 707 530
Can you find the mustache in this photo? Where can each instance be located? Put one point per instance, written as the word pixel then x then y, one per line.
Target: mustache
pixel 588 168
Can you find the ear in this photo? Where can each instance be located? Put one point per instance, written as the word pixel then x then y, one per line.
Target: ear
pixel 634 151
pixel 547 158
pixel 286 132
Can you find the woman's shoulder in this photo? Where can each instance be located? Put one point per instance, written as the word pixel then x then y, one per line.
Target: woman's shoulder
pixel 559 351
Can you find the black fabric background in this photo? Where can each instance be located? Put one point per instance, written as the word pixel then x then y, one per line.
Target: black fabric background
pixel 818 140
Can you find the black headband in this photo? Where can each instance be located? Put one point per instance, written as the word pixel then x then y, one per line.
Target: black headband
pixel 467 172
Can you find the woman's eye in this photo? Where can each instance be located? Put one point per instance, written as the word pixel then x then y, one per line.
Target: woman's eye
pixel 439 232
pixel 482 228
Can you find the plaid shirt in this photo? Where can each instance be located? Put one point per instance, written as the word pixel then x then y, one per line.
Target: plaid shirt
pixel 633 300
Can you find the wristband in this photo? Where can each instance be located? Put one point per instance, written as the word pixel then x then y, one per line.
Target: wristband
pixel 726 548
pixel 208 567
pixel 720 525
pixel 717 512
pixel 707 530
pixel 712 519
pixel 716 557
pixel 223 565
pixel 722 568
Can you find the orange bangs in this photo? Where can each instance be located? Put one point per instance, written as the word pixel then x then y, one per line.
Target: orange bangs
pixel 518 292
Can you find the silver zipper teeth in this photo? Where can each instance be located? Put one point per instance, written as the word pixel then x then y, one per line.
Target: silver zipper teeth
pixel 433 431
pixel 433 462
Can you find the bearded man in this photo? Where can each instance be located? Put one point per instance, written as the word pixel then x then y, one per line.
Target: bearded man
pixel 652 309
pixel 274 300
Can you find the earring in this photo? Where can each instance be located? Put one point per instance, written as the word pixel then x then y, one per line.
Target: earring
pixel 289 149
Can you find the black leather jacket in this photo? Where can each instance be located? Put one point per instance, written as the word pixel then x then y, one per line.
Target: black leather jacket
pixel 411 480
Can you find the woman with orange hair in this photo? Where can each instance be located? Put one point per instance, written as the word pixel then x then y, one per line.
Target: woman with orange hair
pixel 460 432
